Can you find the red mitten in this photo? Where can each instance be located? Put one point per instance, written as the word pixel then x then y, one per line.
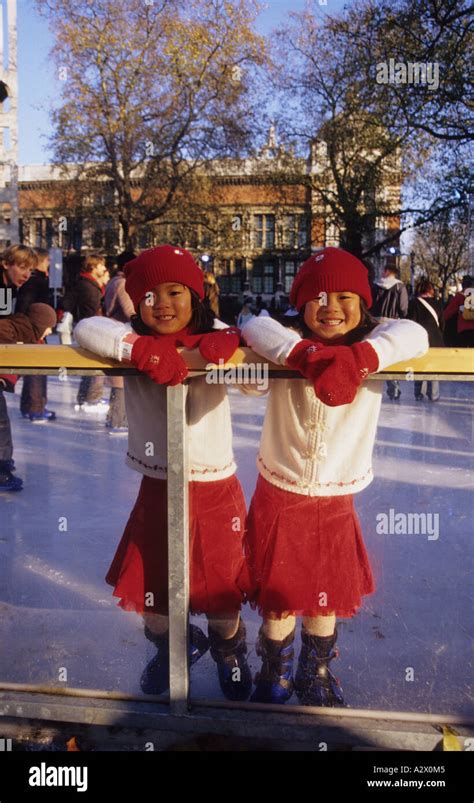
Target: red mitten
pixel 220 345
pixel 159 360
pixel 308 358
pixel 341 378
pixel 8 382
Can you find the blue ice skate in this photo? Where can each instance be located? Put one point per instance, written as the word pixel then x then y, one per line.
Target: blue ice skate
pixel 274 682
pixel 235 678
pixel 315 684
pixel 155 677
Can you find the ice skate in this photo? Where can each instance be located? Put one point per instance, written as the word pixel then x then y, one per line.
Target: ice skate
pixel 235 678
pixel 155 677
pixel 315 684
pixel 274 682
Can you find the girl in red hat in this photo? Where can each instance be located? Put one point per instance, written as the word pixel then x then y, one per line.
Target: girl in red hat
pixel 305 552
pixel 167 289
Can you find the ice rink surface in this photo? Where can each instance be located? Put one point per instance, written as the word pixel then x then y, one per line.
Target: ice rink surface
pixel 409 648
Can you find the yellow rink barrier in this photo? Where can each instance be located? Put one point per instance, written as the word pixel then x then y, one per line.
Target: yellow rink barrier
pixel 438 363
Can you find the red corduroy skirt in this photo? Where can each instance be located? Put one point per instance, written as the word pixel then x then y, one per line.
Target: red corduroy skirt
pixel 217 514
pixel 305 555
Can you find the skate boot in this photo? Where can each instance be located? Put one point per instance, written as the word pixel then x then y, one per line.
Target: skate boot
pixel 235 678
pixel 155 677
pixel 314 682
pixel 274 682
pixel 7 481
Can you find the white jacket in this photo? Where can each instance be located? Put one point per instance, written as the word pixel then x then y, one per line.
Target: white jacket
pixel 207 412
pixel 312 449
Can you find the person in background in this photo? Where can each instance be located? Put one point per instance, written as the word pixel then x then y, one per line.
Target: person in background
pixel 119 306
pixel 427 311
pixel 461 309
pixel 34 394
pixel 245 313
pixel 85 301
pixel 16 264
pixel 211 290
pixel 390 300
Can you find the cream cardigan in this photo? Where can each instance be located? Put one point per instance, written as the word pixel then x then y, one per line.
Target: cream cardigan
pixel 312 449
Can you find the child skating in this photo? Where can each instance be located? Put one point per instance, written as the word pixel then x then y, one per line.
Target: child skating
pixel 305 552
pixel 167 289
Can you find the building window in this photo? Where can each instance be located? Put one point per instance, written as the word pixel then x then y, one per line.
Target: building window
pixel 97 238
pixel 224 283
pixel 295 231
pixel 76 238
pixel 38 233
pixel 49 233
pixel 230 234
pixel 269 278
pixel 290 270
pixel 263 231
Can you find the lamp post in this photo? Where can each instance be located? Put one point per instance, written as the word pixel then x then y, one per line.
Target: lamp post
pixel 394 251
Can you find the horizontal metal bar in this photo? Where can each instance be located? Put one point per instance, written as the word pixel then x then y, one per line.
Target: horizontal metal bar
pixel 344 713
pixel 306 728
pixel 438 362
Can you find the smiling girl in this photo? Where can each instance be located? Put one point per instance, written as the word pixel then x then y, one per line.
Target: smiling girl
pixel 304 546
pixel 167 289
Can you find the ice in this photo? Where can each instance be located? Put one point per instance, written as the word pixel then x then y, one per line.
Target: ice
pixel 56 611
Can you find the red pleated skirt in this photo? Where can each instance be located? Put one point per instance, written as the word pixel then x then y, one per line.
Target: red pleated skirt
pixel 305 555
pixel 217 514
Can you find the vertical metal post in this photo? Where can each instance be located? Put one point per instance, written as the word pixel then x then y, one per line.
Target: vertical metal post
pixel 178 548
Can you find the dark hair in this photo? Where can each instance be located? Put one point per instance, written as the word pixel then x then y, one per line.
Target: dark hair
pixel 123 258
pixel 424 286
pixel 392 269
pixel 367 323
pixel 202 318
pixel 467 281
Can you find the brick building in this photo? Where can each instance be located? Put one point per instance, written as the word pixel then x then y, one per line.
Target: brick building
pixel 261 218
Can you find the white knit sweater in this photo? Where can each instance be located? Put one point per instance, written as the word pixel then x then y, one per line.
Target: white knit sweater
pixel 312 449
pixel 207 412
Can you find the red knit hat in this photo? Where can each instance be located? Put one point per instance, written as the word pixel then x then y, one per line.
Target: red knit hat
pixel 166 263
pixel 331 270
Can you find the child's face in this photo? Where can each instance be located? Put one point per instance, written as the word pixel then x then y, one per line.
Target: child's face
pixel 167 308
pixel 332 315
pixel 17 275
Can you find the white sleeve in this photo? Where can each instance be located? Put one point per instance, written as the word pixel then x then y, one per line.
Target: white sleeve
pixel 270 339
pixel 103 336
pixel 218 324
pixel 398 340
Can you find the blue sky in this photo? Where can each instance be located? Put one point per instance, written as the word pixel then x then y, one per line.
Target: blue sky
pixel 37 84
